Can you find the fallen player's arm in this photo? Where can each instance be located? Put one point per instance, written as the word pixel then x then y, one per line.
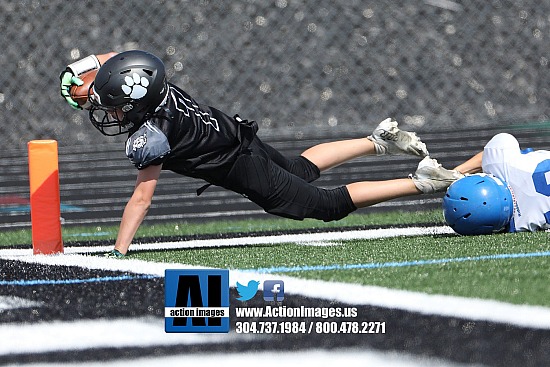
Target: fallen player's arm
pixel 472 165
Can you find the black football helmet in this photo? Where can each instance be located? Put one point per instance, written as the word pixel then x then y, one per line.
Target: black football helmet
pixel 127 89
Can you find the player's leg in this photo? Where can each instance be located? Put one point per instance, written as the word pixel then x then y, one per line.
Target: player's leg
pixel 429 177
pixel 294 198
pixel 386 138
pixel 328 155
pixel 299 166
pixel 284 194
pixel 368 193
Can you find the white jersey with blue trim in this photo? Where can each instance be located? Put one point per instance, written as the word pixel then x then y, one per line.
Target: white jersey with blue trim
pixel 527 175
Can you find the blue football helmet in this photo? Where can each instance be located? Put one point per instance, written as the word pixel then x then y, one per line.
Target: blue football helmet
pixel 478 204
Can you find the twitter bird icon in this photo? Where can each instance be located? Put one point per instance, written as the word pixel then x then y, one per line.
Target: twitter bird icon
pixel 246 292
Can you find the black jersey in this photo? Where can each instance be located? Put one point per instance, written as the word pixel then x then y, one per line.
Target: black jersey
pixel 190 139
pixel 203 142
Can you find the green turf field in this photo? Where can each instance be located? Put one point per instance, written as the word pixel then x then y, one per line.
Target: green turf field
pixel 273 224
pixel 393 262
pixel 508 267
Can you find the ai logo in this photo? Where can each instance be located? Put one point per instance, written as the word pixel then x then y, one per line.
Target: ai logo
pixel 196 301
pixel 274 290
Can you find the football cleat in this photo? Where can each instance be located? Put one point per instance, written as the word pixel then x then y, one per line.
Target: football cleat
pixel 389 139
pixel 431 177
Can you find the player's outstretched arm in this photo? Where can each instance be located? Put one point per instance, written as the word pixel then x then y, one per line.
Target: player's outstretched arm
pixel 472 165
pixel 137 206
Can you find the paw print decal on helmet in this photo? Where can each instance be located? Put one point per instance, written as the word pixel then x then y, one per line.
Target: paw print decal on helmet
pixel 136 86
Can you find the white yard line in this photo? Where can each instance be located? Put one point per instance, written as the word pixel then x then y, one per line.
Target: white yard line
pixel 259 240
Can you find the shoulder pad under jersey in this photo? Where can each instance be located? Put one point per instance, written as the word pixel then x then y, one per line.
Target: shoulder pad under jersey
pixel 147 145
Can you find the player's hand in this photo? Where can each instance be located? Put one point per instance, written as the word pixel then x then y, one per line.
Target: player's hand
pixel 67 80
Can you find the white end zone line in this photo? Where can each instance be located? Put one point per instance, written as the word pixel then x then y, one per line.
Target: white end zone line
pixel 305 238
pixel 467 308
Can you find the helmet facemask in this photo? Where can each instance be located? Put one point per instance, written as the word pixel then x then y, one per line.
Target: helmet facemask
pixel 110 121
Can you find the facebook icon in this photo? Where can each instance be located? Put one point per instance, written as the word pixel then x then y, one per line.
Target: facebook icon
pixel 274 290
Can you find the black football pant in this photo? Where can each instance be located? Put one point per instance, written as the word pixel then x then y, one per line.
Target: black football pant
pixel 281 186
